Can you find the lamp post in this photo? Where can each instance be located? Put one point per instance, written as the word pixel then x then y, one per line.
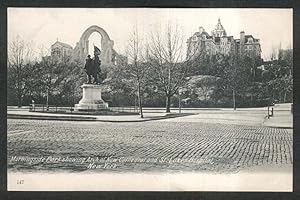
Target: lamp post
pixel 48 91
pixel 47 99
pixel 179 103
pixel 135 96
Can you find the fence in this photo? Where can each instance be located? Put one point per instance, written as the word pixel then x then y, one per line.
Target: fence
pixel 70 109
pixel 50 108
pixel 129 109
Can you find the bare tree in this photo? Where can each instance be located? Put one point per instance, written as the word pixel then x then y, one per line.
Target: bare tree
pixel 136 68
pixel 274 54
pixel 168 61
pixel 20 56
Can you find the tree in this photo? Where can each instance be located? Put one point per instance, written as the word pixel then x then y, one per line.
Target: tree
pixel 20 62
pixel 168 64
pixel 278 76
pixel 133 73
pixel 60 81
pixel 231 76
pixel 137 69
pixel 203 86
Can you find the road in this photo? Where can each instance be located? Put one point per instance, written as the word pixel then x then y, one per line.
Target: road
pixel 144 146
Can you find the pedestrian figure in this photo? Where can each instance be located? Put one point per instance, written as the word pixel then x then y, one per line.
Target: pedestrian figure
pixel 33 105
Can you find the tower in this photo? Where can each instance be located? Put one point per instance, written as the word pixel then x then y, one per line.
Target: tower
pixel 242 43
pixel 219 30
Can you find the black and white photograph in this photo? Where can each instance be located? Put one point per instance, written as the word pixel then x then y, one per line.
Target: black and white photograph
pixel 150 99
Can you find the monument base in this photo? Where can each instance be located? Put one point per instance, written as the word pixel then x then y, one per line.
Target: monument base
pixel 91 99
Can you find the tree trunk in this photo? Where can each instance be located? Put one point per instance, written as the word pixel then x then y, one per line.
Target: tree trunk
pixel 168 104
pixel 140 101
pixel 284 97
pixel 19 100
pixel 280 97
pixel 233 99
pixel 19 94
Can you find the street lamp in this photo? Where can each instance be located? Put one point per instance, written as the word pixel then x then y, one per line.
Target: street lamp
pixel 179 103
pixel 135 100
pixel 47 99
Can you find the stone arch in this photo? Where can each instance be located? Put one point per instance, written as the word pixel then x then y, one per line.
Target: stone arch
pixel 86 34
pixel 81 49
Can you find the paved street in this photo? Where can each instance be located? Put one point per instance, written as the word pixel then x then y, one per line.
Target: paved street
pixel 148 146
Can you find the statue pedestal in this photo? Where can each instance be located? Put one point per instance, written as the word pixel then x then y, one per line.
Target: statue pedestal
pixel 91 100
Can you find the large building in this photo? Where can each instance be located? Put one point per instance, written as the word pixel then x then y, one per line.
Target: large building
pixel 61 52
pixel 219 43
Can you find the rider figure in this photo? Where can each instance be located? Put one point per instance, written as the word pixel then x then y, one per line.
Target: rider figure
pixel 92 67
pixel 97 70
pixel 89 68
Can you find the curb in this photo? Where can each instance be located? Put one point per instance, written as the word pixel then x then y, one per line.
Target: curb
pixel 280 127
pixel 272 126
pixel 94 119
pixel 145 120
pixel 60 118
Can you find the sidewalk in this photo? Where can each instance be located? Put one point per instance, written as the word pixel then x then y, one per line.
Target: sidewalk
pixel 25 114
pixel 234 117
pixel 282 118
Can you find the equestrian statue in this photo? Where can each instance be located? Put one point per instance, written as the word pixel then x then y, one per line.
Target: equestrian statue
pixel 92 67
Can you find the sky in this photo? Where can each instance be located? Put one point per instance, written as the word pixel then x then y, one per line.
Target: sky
pixel 44 26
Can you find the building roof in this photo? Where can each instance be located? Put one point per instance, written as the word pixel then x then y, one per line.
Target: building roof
pixel 63 44
pixel 219 28
pixel 230 38
pixel 250 36
pixel 200 34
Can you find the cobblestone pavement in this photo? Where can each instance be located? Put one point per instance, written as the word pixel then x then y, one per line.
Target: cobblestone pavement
pixel 145 146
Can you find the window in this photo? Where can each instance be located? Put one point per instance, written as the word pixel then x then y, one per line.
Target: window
pixel 56 51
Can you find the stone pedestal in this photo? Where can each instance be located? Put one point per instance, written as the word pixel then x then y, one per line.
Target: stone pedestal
pixel 91 99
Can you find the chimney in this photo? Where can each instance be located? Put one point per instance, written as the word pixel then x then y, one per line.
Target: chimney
pixel 242 43
pixel 201 29
pixel 242 37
